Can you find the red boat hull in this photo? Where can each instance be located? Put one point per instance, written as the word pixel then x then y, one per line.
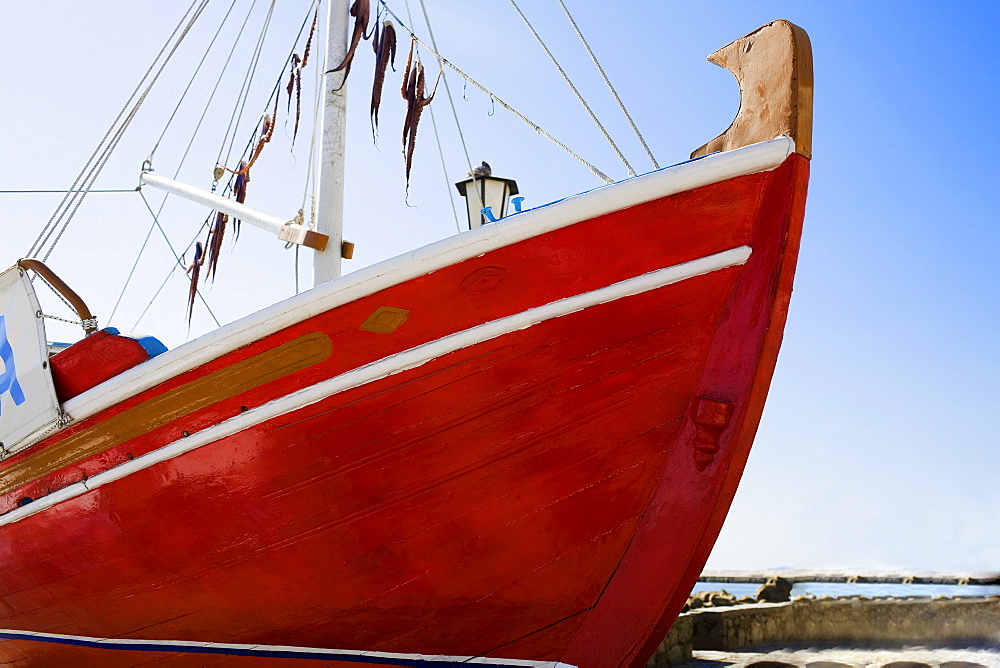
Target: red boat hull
pixel 549 492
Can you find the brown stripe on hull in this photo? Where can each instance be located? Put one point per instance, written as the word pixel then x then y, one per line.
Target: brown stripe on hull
pixel 217 386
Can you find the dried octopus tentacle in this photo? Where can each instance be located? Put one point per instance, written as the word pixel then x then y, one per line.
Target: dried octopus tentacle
pixel 385 54
pixel 195 272
pixel 412 111
pixel 361 11
pixel 409 93
pixel 312 31
pixel 240 186
pixel 240 193
pixel 368 35
pixel 376 79
pixel 291 80
pixel 412 116
pixel 406 71
pixel 298 102
pixel 416 101
pixel 418 108
pixel 266 132
pixel 274 115
pixel 216 234
pixel 295 77
pixel 427 100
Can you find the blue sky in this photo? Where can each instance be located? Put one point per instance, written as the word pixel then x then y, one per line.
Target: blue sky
pixel 879 445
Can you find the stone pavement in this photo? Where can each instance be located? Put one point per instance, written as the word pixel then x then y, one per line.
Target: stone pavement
pixel 986 655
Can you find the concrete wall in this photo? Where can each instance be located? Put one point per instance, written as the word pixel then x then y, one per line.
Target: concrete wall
pixel 855 620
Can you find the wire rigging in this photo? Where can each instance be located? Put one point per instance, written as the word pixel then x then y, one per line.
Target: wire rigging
pixel 58 294
pixel 312 163
pixel 178 263
pixel 600 69
pixel 118 136
pixel 194 75
pixel 187 149
pixel 190 143
pixel 155 215
pixel 215 89
pixel 631 172
pixel 444 170
pixel 245 92
pixel 131 272
pixel 74 197
pixel 73 189
pixel 63 191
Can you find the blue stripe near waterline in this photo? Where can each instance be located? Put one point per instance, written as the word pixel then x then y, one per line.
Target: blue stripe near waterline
pixel 270 651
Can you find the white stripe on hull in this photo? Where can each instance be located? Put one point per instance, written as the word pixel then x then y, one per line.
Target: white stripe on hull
pixel 391 365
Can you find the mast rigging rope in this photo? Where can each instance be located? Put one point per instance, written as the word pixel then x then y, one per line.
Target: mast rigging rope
pixel 63 191
pixel 621 104
pixel 187 149
pixel 178 263
pixel 241 101
pixel 74 197
pixel 194 75
pixel 155 215
pixel 631 172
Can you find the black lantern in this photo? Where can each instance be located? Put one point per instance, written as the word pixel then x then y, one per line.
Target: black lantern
pixel 486 196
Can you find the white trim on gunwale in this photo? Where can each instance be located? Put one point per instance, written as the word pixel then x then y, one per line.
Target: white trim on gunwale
pixel 607 199
pixel 388 366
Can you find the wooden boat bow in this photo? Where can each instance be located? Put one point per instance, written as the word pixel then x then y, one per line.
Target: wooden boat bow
pixel 773 65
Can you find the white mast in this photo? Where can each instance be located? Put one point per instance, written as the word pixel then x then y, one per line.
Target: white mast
pixel 330 175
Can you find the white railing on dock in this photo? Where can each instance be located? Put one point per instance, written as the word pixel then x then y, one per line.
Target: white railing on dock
pixel 854 577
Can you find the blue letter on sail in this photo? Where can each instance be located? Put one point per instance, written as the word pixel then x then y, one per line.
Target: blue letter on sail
pixel 8 379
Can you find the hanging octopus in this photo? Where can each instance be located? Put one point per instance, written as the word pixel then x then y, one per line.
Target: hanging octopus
pixel 194 271
pixel 266 132
pixel 309 40
pixel 384 46
pixel 361 11
pixel 295 86
pixel 215 234
pixel 414 85
pixel 240 193
pixel 295 77
pixel 218 229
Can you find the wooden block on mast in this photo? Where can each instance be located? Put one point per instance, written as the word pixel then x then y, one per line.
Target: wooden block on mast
pixel 303 236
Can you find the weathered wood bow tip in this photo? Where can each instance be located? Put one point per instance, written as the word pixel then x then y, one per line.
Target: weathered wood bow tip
pixel 774 68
